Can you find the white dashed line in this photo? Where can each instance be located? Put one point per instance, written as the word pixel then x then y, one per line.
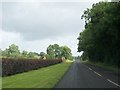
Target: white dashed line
pixel 90 68
pixel 113 82
pixel 107 79
pixel 98 74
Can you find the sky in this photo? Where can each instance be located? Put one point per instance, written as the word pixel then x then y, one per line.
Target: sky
pixel 33 25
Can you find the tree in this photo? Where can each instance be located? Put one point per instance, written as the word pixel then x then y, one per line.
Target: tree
pixel 31 55
pixel 66 52
pixel 37 54
pixel 56 51
pixel 53 51
pixel 0 53
pixel 0 50
pixel 42 55
pixel 13 50
pixel 100 39
pixel 49 57
pixel 24 54
pixel 5 53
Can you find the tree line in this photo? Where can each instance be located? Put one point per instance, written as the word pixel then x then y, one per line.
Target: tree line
pixel 52 52
pixel 100 41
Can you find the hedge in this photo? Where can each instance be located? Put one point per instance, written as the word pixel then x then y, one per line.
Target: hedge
pixel 13 66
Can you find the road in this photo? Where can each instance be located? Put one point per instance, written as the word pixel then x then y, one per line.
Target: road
pixel 84 76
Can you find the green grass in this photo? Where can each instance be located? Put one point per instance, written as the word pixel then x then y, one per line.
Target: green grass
pixel 0 83
pixel 46 77
pixel 106 66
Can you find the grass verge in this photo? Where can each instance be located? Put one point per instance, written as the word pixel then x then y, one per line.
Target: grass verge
pixel 106 66
pixel 46 77
pixel 0 82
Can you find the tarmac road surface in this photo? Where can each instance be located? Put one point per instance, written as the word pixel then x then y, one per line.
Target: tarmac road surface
pixel 85 76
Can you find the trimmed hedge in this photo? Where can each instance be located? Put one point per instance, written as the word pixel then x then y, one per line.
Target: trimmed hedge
pixel 13 66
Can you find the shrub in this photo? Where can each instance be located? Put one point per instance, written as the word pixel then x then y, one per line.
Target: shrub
pixel 14 66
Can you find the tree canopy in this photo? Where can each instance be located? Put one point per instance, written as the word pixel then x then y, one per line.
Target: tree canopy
pixel 24 53
pixel 12 51
pixel 99 41
pixel 42 55
pixel 56 51
pixel 53 52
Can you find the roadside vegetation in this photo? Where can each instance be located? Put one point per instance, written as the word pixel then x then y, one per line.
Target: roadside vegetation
pixel 15 66
pixel 46 77
pixel 13 61
pixel 1 83
pixel 52 52
pixel 23 69
pixel 99 41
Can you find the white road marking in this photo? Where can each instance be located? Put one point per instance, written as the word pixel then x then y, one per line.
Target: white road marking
pixel 107 79
pixel 98 74
pixel 113 82
pixel 90 68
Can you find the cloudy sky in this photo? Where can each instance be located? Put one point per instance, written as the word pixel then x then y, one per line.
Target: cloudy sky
pixel 33 26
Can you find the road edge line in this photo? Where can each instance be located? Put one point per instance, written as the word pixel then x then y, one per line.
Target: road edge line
pixel 90 69
pixel 113 82
pixel 98 74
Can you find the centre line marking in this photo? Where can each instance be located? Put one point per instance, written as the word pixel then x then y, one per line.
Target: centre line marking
pixel 98 74
pixel 113 82
pixel 90 68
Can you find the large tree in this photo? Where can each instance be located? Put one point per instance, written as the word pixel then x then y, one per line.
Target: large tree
pixel 12 51
pixel 100 39
pixel 56 51
pixel 66 52
pixel 53 51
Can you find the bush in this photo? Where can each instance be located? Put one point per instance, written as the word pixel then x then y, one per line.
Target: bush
pixel 14 66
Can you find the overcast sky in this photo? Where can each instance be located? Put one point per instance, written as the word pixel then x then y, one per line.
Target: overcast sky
pixel 33 26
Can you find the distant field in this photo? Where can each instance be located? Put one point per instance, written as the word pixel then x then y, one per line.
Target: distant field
pixel 46 77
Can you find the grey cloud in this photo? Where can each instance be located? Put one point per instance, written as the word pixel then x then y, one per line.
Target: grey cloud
pixel 35 21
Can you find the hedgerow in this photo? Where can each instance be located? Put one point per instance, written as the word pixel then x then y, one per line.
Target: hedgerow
pixel 14 66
